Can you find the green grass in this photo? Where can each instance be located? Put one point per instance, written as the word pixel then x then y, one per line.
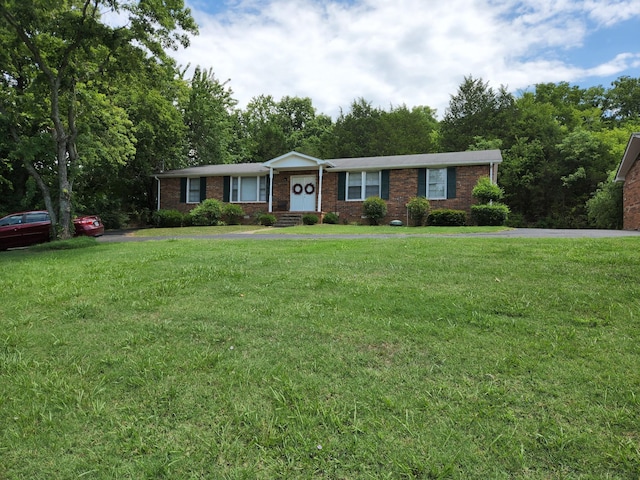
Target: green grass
pixel 391 358
pixel 320 229
pixel 191 231
pixel 326 229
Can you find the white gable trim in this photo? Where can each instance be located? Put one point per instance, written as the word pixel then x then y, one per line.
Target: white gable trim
pixel 630 156
pixel 295 161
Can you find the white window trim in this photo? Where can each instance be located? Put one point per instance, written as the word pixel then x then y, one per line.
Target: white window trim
pixel 429 197
pixel 259 179
pixel 189 180
pixel 363 185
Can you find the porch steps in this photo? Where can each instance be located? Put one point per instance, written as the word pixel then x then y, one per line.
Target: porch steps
pixel 288 220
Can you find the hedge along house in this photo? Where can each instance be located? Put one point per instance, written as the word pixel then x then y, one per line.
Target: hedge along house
pixel 629 173
pixel 295 183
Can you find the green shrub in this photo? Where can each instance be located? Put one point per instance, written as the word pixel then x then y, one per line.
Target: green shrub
pixel 375 209
pixel 418 208
pixel 267 219
pixel 447 218
pixel 167 218
pixel 232 213
pixel 309 219
pixel 486 191
pixel 494 215
pixel 209 212
pixel 331 218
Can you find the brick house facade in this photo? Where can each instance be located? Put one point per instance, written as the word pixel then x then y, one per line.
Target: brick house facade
pixel 299 183
pixel 629 173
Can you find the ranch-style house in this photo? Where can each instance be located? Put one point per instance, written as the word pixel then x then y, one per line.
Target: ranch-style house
pixel 629 173
pixel 295 183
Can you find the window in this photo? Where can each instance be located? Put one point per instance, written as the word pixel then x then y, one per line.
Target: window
pixel 248 189
pixel 193 190
pixel 35 217
pixel 362 185
pixel 436 183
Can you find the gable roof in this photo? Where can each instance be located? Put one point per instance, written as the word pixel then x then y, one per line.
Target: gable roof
pixel 629 158
pixel 423 160
pixel 295 160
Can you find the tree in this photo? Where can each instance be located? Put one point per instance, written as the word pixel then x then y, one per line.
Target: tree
pixel 623 100
pixel 209 117
pixel 53 54
pixel 367 131
pixel 475 110
pixel 271 128
pixel 604 208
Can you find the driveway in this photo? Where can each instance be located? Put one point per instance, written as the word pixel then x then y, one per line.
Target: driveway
pixel 127 236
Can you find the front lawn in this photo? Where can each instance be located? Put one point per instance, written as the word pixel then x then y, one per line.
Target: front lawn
pixel 427 357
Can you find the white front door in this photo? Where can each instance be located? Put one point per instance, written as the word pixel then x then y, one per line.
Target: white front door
pixel 303 193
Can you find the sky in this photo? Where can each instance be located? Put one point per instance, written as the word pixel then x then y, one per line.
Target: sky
pixel 409 52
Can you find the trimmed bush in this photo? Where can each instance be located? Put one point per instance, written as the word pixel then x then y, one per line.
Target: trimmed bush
pixel 331 218
pixel 375 209
pixel 267 219
pixel 209 212
pixel 486 191
pixel 309 219
pixel 167 218
pixel 493 215
pixel 447 218
pixel 418 208
pixel 232 213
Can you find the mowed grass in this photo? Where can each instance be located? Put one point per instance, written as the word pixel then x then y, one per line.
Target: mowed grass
pixel 319 229
pixel 370 358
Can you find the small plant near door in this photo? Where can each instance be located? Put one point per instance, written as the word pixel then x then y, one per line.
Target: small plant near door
pixel 309 219
pixel 375 209
pixel 267 219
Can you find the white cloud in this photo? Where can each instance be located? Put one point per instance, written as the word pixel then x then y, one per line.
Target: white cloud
pixel 394 52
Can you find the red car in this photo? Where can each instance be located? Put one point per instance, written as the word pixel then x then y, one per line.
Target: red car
pixel 27 228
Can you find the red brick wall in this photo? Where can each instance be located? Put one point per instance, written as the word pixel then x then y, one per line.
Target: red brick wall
pixel 631 198
pixel 403 185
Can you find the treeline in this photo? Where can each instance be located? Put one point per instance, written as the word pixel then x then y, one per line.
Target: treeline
pixel 124 111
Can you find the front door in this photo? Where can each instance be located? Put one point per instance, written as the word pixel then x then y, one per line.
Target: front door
pixel 303 193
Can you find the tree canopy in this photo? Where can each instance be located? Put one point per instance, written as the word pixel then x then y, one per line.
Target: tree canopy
pixel 89 111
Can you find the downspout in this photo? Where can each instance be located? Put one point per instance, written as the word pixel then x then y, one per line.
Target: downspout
pixel 320 191
pixel 158 205
pixel 491 173
pixel 270 189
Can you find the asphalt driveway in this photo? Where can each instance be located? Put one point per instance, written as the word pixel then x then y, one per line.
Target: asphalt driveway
pixel 128 236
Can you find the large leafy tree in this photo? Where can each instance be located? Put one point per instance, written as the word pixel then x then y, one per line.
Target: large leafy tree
pixel 53 55
pixel 476 110
pixel 270 128
pixel 209 114
pixel 368 131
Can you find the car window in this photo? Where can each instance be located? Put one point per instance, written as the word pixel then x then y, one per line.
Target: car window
pixel 11 220
pixel 37 217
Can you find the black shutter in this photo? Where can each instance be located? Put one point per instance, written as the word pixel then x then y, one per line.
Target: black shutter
pixel 226 188
pixel 342 180
pixel 203 189
pixel 384 188
pixel 183 190
pixel 268 188
pixel 451 182
pixel 422 182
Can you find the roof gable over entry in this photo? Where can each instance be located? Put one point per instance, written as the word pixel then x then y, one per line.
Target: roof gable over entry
pixel 295 161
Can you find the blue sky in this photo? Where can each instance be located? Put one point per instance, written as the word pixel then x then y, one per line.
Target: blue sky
pixel 411 52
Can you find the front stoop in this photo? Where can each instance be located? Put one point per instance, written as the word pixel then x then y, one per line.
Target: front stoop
pixel 288 220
